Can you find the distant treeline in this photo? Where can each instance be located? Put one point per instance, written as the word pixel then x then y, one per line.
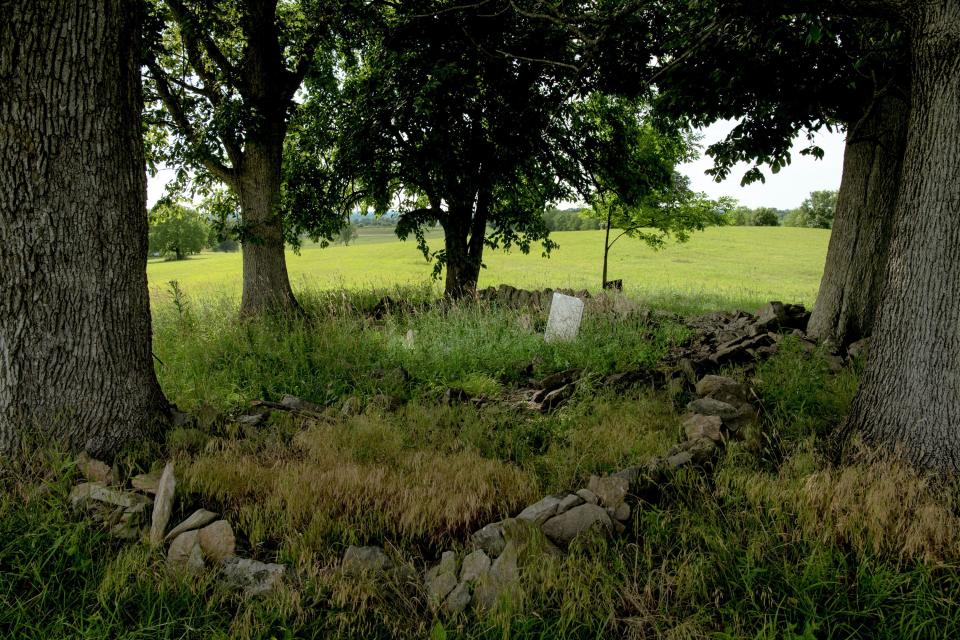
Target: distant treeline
pixel 816 212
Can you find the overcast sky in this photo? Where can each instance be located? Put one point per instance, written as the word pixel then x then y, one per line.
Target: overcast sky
pixel 785 190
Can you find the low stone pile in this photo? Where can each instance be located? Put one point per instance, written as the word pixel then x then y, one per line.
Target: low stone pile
pixel 200 539
pixel 737 338
pixel 488 568
pixel 509 296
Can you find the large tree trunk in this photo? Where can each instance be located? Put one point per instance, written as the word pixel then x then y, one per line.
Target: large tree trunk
pixel 464 235
pixel 75 361
pixel 856 267
pixel 266 284
pixel 909 397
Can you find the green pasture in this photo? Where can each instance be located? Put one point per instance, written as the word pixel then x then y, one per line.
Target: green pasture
pixel 723 267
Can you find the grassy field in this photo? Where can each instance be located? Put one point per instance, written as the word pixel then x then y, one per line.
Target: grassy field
pixel 778 543
pixel 721 267
pixel 775 542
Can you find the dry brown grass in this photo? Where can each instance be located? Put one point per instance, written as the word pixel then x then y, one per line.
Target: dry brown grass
pixel 356 482
pixel 882 506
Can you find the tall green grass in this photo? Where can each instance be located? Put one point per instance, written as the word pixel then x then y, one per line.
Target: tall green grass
pixel 775 543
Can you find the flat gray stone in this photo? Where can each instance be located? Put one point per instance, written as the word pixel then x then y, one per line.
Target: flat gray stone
pixel 540 512
pixel 185 552
pixel 146 482
pixel 710 385
pixel 571 501
pixel 499 582
pixel 697 425
pixel 457 600
pixel 474 565
pixel 611 490
pixel 359 560
pixel 566 313
pixel 439 587
pixel 163 505
pixel 588 496
pixel 99 492
pixel 711 407
pixel 490 539
pixel 255 578
pixel 678 460
pixel 199 518
pixel 94 470
pixel 564 528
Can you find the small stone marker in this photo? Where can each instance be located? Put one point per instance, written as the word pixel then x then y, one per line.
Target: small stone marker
pixel 163 505
pixel 566 312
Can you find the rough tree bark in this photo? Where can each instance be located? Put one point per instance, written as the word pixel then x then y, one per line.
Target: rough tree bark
pixel 266 284
pixel 856 266
pixel 909 397
pixel 269 91
pixel 75 361
pixel 254 174
pixel 464 232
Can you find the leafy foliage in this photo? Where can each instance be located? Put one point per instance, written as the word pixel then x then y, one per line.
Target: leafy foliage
pixel 177 230
pixel 231 83
pixel 455 119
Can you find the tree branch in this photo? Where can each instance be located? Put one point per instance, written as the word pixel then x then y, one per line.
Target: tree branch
pixel 182 122
pixel 194 33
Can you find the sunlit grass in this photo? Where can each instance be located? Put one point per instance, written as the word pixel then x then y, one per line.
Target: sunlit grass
pixel 726 267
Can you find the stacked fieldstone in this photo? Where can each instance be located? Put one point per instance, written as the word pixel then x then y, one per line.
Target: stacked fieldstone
pixel 200 539
pixel 489 570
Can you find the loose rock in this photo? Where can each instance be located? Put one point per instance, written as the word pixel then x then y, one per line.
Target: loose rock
pixel 701 426
pixel 146 482
pixel 565 527
pixel 94 470
pixel 588 496
pixel 199 518
pixel 541 511
pixel 253 577
pixel 569 502
pixel 499 581
pixel 217 541
pixel 438 587
pixel 611 490
pixel 360 560
pixel 98 492
pixel 185 552
pixel 859 348
pixel 163 505
pixel 622 512
pixel 474 565
pixel 457 600
pixel 490 539
pixel 711 407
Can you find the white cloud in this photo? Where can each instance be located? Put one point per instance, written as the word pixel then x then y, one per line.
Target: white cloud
pixel 784 190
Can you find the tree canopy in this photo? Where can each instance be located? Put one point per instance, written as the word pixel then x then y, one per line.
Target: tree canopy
pixel 176 230
pixel 455 119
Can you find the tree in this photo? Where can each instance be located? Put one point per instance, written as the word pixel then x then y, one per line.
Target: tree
pixel 177 230
pixel 348 233
pixel 674 212
pixel 818 210
pixel 223 81
pixel 75 361
pixel 453 117
pixel 791 69
pixel 765 217
pixel 633 182
pixel 909 396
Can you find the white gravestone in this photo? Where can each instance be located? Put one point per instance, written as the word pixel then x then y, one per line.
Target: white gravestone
pixel 566 312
